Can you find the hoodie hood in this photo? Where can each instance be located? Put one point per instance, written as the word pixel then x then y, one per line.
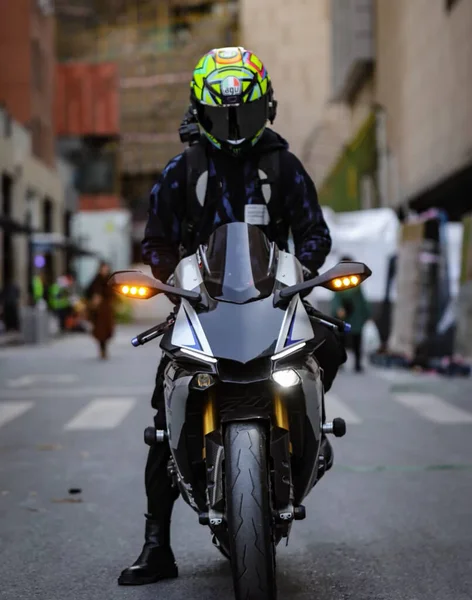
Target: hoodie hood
pixel 269 141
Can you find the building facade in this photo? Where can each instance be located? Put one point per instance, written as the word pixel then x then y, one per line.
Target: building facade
pixel 154 47
pixel 424 82
pixel 32 200
pixel 27 64
pixel 403 73
pixel 37 194
pixel 294 44
pixel 375 96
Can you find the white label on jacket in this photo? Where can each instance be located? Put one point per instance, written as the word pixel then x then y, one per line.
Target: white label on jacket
pixel 256 214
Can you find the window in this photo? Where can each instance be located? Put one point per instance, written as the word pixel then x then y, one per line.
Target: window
pixel 97 174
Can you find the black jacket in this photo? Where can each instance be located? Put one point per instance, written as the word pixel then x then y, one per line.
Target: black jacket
pixel 234 183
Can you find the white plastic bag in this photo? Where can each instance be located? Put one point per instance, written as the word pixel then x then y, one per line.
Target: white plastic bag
pixel 370 337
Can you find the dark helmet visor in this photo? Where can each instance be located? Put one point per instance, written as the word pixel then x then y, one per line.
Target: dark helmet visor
pixel 234 123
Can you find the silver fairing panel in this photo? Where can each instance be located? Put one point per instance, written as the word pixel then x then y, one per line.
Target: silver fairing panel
pixel 313 391
pixel 187 274
pixel 175 395
pixel 242 332
pixel 289 269
pixel 296 326
pixel 188 331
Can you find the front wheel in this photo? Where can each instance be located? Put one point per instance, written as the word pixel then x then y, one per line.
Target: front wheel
pixel 248 512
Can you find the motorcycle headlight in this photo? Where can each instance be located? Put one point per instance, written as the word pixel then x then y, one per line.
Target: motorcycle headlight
pixel 286 378
pixel 202 381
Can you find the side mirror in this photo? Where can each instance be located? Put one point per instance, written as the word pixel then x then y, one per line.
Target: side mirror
pixel 135 284
pixel 343 276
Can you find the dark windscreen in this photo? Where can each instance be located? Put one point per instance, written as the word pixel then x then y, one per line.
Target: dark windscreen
pixel 238 257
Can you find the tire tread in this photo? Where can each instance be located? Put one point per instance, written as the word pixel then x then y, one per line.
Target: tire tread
pixel 248 512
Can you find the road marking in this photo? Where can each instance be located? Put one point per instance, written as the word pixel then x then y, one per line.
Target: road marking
pixel 78 392
pixel 337 408
pixel 400 375
pixel 12 410
pixel 433 408
pixel 29 380
pixel 103 413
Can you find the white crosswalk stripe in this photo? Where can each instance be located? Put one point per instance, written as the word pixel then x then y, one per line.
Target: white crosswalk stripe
pixel 433 408
pixel 337 408
pixel 102 413
pixel 77 392
pixel 107 408
pixel 12 410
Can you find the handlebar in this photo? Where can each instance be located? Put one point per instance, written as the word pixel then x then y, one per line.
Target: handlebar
pixel 341 325
pixel 152 333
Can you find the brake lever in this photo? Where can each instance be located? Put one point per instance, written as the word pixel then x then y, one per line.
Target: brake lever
pixel 332 322
pixel 152 333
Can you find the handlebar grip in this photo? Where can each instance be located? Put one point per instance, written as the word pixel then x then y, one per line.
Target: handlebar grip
pixel 153 332
pixel 340 324
pixel 147 336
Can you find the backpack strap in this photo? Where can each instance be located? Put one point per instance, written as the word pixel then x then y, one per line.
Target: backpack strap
pixel 196 187
pixel 269 178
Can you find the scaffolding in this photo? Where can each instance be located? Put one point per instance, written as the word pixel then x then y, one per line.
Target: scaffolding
pixel 156 44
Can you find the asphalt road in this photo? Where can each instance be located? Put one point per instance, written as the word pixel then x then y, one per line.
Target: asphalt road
pixel 391 521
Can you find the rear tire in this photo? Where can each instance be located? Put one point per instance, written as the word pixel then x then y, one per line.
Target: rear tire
pixel 248 512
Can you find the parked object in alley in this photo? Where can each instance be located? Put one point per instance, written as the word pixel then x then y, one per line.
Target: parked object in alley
pixel 100 298
pixel 244 398
pixel 423 319
pixel 464 304
pixel 449 366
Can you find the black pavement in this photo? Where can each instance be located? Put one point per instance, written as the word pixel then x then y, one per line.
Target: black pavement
pixel 391 521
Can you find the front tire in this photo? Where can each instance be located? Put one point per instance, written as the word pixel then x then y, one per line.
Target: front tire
pixel 248 512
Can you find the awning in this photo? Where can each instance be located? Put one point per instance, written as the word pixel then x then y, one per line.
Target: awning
pixel 57 241
pixel 12 226
pixel 453 194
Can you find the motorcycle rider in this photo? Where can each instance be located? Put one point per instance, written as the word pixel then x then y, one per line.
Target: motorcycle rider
pixel 232 99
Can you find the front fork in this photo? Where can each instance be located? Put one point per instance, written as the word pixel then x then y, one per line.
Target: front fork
pixel 280 452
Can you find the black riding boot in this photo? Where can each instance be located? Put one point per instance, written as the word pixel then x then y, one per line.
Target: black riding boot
pixel 156 560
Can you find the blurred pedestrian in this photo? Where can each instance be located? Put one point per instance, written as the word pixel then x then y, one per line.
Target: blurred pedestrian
pixel 352 306
pixel 101 298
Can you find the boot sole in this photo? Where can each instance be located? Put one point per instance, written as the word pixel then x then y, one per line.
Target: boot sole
pixel 146 580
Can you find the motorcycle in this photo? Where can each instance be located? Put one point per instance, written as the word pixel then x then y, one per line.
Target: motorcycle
pixel 243 392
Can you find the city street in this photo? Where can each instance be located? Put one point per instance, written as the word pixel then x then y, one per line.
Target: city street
pixel 391 521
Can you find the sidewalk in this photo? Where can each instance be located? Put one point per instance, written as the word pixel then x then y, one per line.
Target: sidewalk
pixel 10 339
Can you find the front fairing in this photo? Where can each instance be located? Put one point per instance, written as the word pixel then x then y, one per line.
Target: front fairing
pixel 242 332
pixel 235 332
pixel 239 332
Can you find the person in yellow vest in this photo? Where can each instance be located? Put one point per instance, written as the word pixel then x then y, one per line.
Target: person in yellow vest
pixel 38 288
pixel 59 300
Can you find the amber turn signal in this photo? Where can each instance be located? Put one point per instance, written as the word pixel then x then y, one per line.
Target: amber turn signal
pixel 143 292
pixel 346 282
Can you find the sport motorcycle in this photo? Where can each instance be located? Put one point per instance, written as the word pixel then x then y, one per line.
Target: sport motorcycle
pixel 243 392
